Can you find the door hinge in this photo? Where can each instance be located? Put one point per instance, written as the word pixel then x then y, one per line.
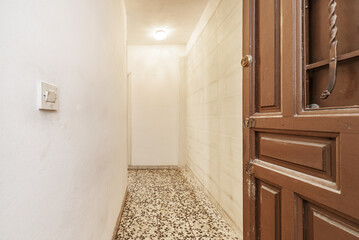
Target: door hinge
pixel 249 123
pixel 248 167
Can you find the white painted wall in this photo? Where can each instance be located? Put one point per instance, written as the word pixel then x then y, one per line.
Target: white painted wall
pixel 62 174
pixel 156 75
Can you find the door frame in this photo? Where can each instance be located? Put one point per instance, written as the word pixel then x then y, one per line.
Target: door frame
pixel 129 119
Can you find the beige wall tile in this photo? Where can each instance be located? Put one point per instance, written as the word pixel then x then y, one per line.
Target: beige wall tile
pixel 224 10
pixel 214 108
pixel 230 23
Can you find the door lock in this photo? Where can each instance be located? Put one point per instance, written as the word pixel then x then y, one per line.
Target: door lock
pixel 246 61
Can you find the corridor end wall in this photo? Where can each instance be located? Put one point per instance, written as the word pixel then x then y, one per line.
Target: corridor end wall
pixel 156 75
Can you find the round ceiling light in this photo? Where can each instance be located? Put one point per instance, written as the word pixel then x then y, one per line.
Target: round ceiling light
pixel 160 34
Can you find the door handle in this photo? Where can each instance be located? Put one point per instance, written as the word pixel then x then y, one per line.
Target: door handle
pixel 333 53
pixel 246 61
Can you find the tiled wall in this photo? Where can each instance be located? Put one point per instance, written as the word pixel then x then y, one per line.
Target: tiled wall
pixel 214 108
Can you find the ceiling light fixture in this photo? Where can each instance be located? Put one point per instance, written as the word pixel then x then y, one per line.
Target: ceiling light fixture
pixel 160 34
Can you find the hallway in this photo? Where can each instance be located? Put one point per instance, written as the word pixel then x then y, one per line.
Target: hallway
pixel 238 119
pixel 90 89
pixel 168 204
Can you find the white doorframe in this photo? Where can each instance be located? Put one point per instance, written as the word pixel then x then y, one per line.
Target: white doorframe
pixel 129 120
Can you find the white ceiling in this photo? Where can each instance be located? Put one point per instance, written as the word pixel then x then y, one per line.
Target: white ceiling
pixel 178 16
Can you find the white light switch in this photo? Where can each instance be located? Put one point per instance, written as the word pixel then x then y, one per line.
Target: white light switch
pixel 48 97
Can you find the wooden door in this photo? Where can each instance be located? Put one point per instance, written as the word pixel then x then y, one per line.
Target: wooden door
pixel 301 112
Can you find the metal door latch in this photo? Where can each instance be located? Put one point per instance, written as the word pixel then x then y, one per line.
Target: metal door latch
pixel 249 123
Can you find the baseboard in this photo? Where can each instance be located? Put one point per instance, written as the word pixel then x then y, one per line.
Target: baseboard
pixel 228 219
pixel 154 167
pixel 120 215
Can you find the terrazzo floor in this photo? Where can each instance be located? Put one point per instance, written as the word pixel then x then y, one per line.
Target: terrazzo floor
pixel 167 204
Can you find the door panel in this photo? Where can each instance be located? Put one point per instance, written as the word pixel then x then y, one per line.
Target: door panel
pixel 301 154
pixel 268 211
pixel 267 56
pixel 323 224
pixel 302 151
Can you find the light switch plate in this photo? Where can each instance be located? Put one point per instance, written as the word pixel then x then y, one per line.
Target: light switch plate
pixel 48 97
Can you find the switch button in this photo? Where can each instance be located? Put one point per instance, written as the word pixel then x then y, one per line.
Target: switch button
pixel 48 97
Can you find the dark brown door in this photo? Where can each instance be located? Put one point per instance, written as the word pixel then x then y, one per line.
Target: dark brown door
pixel 301 112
